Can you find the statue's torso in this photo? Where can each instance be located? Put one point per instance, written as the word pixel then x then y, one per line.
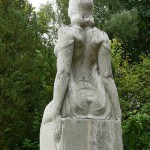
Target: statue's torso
pixel 86 96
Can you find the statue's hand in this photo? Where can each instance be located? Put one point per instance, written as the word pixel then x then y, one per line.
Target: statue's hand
pixel 118 118
pixel 57 128
pixel 50 113
pixel 118 115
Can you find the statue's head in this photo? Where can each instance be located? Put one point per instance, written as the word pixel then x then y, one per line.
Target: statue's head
pixel 81 12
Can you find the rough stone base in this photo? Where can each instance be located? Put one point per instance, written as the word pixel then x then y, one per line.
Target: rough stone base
pixel 84 134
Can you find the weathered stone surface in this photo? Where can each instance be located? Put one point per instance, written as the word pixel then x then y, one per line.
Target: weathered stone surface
pixel 84 86
pixel 83 134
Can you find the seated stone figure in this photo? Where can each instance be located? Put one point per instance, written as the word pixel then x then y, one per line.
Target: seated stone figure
pixel 84 86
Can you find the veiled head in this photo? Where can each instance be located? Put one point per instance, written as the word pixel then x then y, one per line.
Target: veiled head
pixel 81 12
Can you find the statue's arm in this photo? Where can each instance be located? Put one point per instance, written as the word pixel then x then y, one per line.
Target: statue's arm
pixel 64 52
pixel 104 64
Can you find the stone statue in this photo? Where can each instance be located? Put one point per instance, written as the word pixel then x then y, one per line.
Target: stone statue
pixel 84 87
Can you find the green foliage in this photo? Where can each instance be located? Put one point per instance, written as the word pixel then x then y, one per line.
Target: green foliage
pixel 62 12
pixel 29 145
pixel 127 20
pixel 121 22
pixel 27 73
pixel 133 86
pixel 103 9
pixel 136 129
pixel 47 20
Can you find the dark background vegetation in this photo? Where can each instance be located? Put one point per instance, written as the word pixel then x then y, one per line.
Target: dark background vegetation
pixel 28 67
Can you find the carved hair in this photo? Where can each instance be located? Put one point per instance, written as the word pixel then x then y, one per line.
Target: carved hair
pixel 82 21
pixel 81 12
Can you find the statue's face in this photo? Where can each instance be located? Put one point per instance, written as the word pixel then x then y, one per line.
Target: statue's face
pixel 80 9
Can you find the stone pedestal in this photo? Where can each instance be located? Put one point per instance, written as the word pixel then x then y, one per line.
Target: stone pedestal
pixel 84 134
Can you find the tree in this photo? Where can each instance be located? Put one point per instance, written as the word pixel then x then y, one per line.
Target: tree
pixel 127 20
pixel 133 87
pixel 26 74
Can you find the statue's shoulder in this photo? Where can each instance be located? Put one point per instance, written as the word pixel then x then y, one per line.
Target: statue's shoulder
pixel 102 34
pixel 65 39
pixel 103 39
pixel 65 33
pixel 64 30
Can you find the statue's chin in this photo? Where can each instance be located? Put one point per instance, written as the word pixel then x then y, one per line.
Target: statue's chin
pixel 82 21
